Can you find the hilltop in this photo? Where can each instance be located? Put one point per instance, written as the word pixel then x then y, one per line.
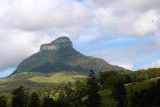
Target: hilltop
pixel 59 55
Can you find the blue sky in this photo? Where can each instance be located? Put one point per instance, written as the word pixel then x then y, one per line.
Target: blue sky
pixel 7 72
pixel 124 33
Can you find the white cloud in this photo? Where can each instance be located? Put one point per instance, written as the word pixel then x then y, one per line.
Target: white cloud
pixel 40 15
pixel 154 64
pixel 130 24
pixel 17 45
pixel 26 24
pixel 129 56
pixel 134 5
pixel 127 66
pixel 4 7
pixel 147 23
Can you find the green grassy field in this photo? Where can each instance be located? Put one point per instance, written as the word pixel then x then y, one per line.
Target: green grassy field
pixel 59 77
pixel 139 86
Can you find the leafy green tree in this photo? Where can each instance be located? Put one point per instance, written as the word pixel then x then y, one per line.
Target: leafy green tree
pixel 120 94
pixel 34 100
pixel 94 99
pixel 81 89
pixel 19 98
pixel 158 83
pixel 135 99
pixel 48 102
pixel 3 102
pixel 143 103
pixel 80 92
pixel 107 79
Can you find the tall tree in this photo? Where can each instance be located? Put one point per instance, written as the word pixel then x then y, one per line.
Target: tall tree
pixel 19 98
pixel 94 99
pixel 108 78
pixel 120 94
pixel 48 102
pixel 34 100
pixel 3 102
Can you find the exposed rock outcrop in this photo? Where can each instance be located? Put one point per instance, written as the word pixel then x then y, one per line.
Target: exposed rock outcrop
pixel 62 42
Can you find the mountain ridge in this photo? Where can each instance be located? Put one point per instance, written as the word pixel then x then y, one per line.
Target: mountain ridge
pixel 59 55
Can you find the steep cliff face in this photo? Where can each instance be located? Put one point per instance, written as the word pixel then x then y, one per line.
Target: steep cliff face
pixel 62 42
pixel 59 55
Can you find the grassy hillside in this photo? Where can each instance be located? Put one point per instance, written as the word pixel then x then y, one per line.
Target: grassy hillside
pixel 108 100
pixel 59 77
pixel 36 80
pixel 139 86
pixel 55 83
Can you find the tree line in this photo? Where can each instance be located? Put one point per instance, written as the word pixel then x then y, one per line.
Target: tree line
pixel 82 94
pixel 79 94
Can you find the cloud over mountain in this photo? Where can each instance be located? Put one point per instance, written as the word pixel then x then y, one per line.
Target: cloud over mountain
pixel 25 24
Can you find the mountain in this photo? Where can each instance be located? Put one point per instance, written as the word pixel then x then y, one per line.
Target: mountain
pixel 59 55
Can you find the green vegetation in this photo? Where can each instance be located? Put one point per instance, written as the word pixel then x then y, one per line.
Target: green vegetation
pixel 93 99
pixel 107 99
pixel 32 80
pixel 64 58
pixel 19 98
pixel 142 75
pixel 34 100
pixel 120 94
pixel 46 86
pixel 139 86
pixel 69 89
pixel 3 101
pixel 59 77
pixel 147 98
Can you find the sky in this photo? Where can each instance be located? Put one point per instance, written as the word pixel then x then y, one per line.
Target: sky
pixel 123 32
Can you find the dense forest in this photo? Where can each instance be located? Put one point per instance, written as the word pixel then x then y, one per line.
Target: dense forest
pixel 89 92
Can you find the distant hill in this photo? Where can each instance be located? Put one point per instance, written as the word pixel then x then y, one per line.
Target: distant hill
pixel 59 55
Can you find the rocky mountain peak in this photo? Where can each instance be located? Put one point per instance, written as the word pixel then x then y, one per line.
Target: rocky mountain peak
pixel 61 42
pixel 59 55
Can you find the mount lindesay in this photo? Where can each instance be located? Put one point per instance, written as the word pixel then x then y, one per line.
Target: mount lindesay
pixel 59 55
